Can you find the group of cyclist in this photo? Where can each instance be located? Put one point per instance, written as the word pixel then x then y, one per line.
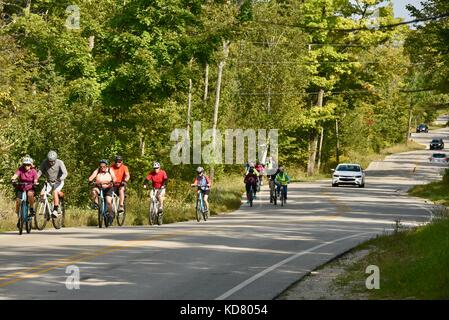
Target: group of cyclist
pixel 276 176
pixel 26 179
pixel 114 178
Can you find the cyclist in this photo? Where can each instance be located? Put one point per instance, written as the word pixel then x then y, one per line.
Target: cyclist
pixel 282 180
pixel 250 181
pixel 55 172
pixel 159 179
pixel 122 177
pixel 105 179
pixel 27 175
pixel 202 182
pixel 260 168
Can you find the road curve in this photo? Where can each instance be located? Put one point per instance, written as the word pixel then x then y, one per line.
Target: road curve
pixel 252 253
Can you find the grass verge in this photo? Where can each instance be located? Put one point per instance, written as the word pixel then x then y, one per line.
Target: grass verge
pixel 413 263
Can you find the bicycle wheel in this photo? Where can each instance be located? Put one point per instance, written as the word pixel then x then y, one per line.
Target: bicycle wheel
pixel 121 215
pixel 62 209
pixel 152 218
pixel 41 217
pixel 100 214
pixel 57 222
pixel 282 197
pixel 198 209
pixel 28 224
pixel 275 198
pixel 20 222
pixel 251 195
pixel 160 218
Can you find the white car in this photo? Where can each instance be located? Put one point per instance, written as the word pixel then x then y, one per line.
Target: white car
pixel 439 158
pixel 348 173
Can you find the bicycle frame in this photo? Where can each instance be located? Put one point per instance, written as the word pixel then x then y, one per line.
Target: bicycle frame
pixel 24 206
pixel 201 198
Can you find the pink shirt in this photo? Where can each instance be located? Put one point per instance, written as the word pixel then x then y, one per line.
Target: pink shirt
pixel 26 176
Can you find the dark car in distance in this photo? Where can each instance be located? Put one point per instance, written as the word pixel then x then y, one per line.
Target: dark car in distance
pixel 436 144
pixel 422 128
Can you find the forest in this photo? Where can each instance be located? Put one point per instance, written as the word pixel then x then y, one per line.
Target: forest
pixel 338 79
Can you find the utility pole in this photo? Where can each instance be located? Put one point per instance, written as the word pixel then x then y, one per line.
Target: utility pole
pixel 337 151
pixel 410 113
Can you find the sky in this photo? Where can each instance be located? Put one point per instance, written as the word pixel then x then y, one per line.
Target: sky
pixel 401 11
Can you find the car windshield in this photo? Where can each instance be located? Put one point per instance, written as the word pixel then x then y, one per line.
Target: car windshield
pixel 422 125
pixel 439 155
pixel 345 167
pixel 436 140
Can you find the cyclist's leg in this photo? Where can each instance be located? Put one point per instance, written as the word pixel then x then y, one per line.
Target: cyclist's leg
pixel 57 188
pixel 205 198
pixel 161 194
pixel 30 196
pixel 248 190
pixel 278 188
pixel 121 192
pixel 108 196
pixel 94 195
pixel 285 191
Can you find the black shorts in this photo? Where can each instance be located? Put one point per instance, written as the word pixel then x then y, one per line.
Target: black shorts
pixel 205 192
pixel 116 189
pixel 19 193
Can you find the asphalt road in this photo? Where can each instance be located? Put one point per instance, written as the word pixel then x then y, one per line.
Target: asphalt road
pixel 252 253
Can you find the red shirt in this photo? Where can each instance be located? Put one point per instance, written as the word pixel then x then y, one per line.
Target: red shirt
pixel 157 179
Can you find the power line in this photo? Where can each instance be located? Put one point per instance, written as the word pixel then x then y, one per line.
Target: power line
pixel 388 26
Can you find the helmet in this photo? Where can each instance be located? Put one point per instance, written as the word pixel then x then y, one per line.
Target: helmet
pixel 156 165
pixel 251 164
pixel 281 168
pixel 200 169
pixel 52 155
pixel 103 161
pixel 118 158
pixel 27 160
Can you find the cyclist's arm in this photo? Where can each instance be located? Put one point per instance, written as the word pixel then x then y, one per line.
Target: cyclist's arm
pixel 147 180
pixel 165 181
pixel 63 170
pixel 127 175
pixel 114 179
pixel 93 175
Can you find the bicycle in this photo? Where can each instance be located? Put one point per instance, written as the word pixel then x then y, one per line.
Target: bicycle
pixel 44 209
pixel 24 217
pixel 154 215
pixel 273 193
pixel 250 195
pixel 200 207
pixel 115 206
pixel 283 196
pixel 103 214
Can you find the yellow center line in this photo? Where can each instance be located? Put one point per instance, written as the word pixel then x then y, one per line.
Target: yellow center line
pixel 83 257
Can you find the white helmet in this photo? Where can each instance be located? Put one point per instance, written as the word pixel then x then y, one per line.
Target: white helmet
pixel 200 169
pixel 27 160
pixel 52 155
pixel 156 165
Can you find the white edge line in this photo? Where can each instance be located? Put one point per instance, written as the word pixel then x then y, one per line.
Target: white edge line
pixel 277 265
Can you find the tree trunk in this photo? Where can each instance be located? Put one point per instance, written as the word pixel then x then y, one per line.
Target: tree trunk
pixel 206 83
pixel 217 101
pixel 320 150
pixel 189 102
pixel 91 43
pixel 409 124
pixel 313 141
pixel 337 148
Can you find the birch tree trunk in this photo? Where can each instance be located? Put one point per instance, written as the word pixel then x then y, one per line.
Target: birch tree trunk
pixel 313 140
pixel 217 101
